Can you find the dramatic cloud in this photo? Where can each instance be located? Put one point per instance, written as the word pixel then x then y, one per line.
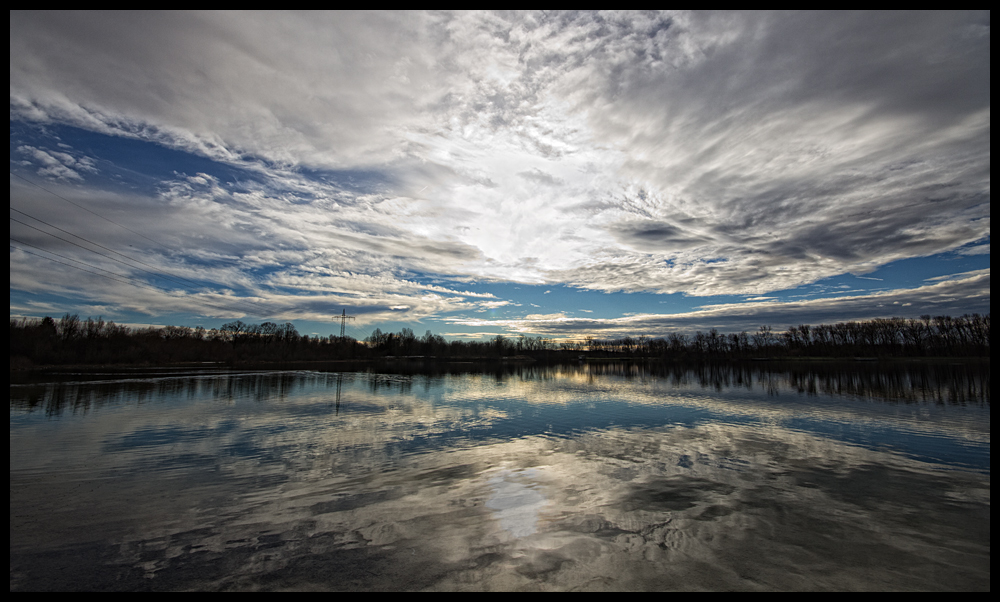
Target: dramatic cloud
pixel 327 158
pixel 965 293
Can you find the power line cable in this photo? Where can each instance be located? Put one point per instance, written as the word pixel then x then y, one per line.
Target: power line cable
pixel 362 335
pixel 95 252
pixel 192 283
pixel 13 219
pixel 355 330
pixel 62 198
pixel 28 244
pixel 127 280
pixel 74 236
pixel 119 279
pixel 184 282
pixel 177 279
pixel 88 210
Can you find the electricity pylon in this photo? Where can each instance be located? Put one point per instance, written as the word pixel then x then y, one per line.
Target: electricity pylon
pixel 343 322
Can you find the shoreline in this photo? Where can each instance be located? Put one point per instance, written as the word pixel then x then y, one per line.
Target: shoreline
pixel 524 360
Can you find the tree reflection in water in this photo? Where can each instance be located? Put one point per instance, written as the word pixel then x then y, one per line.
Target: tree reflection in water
pixel 832 475
pixel 946 382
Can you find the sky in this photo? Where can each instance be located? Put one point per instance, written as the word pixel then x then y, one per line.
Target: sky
pixel 475 174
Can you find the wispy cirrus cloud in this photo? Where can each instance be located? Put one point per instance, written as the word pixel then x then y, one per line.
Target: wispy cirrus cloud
pixel 697 153
pixel 969 293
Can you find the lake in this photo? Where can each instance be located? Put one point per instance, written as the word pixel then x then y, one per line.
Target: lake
pixel 765 476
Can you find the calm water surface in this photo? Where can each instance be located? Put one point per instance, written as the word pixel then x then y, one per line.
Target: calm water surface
pixel 523 478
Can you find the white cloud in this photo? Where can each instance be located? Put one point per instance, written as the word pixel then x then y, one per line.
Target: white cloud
pixel 54 165
pixel 976 250
pixel 966 293
pixel 732 153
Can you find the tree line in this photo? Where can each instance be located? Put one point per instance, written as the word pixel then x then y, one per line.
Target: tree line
pixel 939 336
pixel 71 340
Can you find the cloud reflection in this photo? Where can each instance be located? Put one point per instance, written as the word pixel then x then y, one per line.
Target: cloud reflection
pixel 514 503
pixel 399 491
